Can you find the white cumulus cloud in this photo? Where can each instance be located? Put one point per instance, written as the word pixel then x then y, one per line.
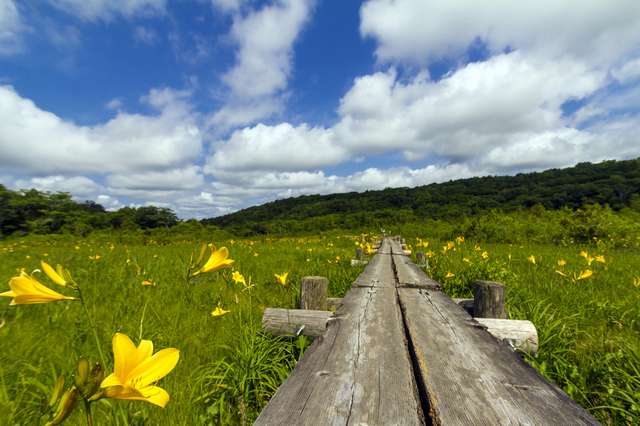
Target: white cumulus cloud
pixel 127 143
pixel 263 62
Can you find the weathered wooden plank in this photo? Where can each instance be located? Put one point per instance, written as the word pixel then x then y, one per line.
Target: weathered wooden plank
pixel 334 302
pixel 470 378
pixel 522 332
pixel 408 273
pixel 358 373
pixel 290 321
pixel 378 272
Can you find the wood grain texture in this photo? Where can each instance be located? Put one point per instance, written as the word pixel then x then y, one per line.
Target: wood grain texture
pixel 313 293
pixel 489 300
pixel 522 331
pixel 378 272
pixel 470 378
pixel 289 321
pixel 358 373
pixel 408 273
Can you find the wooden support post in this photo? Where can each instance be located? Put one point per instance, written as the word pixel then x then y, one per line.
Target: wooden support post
pixel 313 293
pixel 359 254
pixel 422 258
pixel 489 300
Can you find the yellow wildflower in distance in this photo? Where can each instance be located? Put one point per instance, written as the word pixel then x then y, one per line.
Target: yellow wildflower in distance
pixel 136 371
pixel 600 259
pixel 485 255
pixel 238 278
pixel 532 259
pixel 586 274
pixel 255 254
pixel 218 312
pixel 464 259
pixel 476 248
pixel 449 275
pixel 282 279
pixel 636 282
pixel 560 272
pixel 26 289
pixel 584 254
pixel 218 260
pixel 149 282
pixel 561 262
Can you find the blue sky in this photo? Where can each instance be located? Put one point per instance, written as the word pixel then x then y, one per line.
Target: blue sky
pixel 210 106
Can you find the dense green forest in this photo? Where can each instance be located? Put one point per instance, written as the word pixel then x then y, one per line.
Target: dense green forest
pixel 41 212
pixel 559 195
pixel 613 183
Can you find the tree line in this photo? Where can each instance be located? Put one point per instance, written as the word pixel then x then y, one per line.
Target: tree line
pixel 612 183
pixel 615 184
pixel 42 212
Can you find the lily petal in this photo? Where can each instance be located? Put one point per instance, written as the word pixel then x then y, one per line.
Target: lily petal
pixel 156 367
pixel 51 273
pixel 124 356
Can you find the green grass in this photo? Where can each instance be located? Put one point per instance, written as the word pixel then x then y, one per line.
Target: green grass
pixel 40 341
pixel 589 328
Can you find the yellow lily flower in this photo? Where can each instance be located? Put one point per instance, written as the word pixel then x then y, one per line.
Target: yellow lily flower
pixel 218 260
pixel 466 260
pixel 485 255
pixel 149 282
pixel 449 275
pixel 586 274
pixel 55 276
pixel 238 278
pixel 600 259
pixel 282 278
pixel 560 272
pixel 561 262
pixel 532 259
pixel 136 372
pixel 219 311
pixel 26 289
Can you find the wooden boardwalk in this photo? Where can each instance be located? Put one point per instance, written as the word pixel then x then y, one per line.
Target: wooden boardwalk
pixel 399 351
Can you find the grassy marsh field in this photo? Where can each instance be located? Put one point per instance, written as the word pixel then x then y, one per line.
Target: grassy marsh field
pixel 583 299
pixel 227 369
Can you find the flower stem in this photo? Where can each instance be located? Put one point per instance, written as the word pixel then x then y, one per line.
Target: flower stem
pixel 87 407
pixel 93 327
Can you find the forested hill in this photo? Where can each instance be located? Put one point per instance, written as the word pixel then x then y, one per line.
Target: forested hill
pixel 616 183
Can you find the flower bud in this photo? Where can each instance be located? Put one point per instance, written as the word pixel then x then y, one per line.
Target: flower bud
pixel 95 380
pixel 67 405
pixel 83 369
pixel 77 380
pixel 57 390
